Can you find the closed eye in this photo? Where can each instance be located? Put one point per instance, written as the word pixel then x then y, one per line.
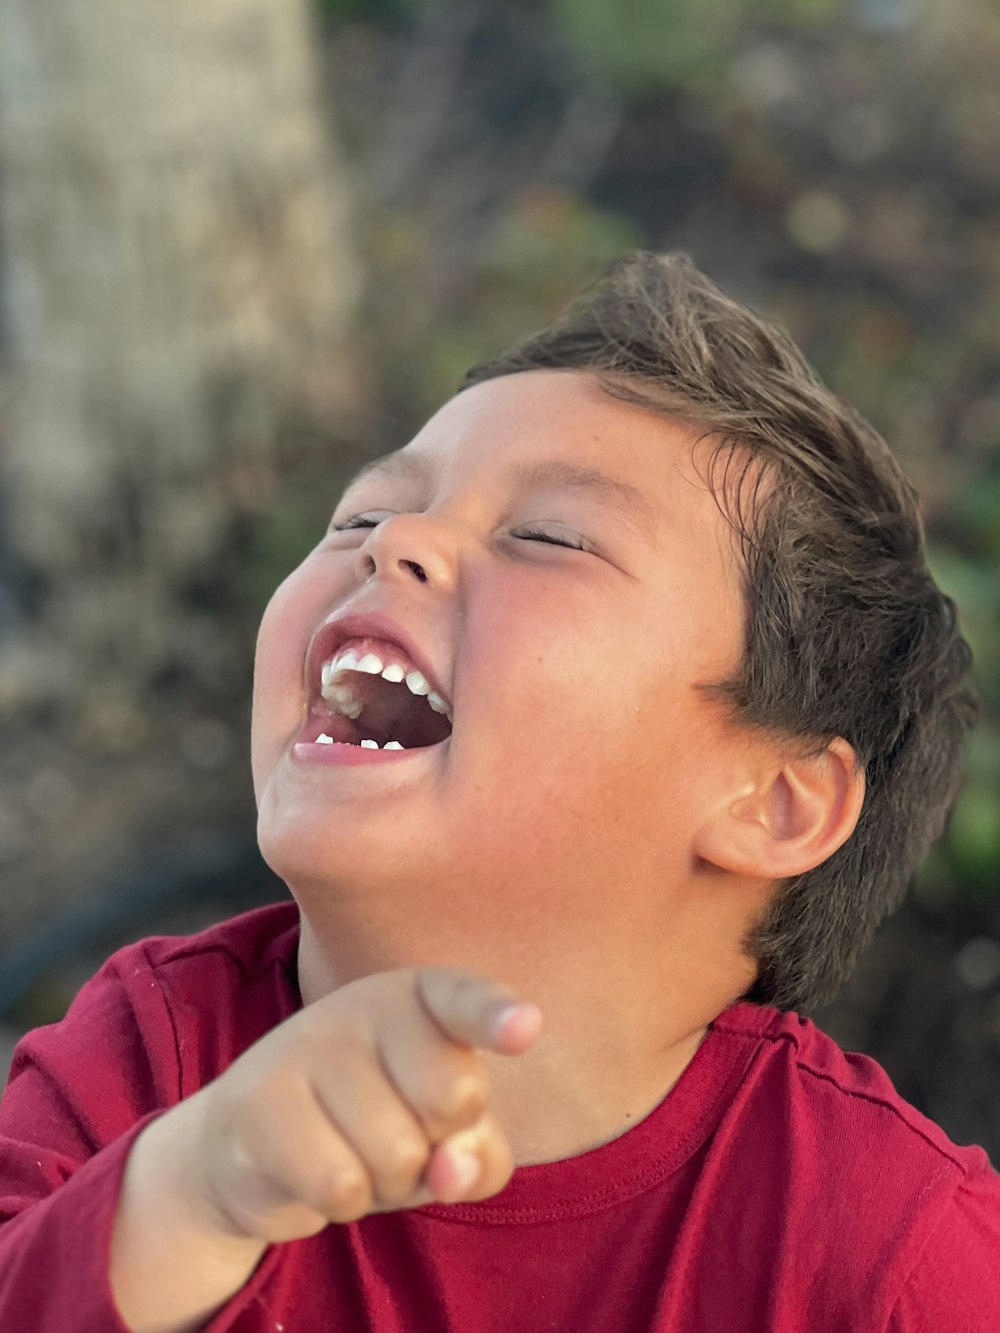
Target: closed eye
pixel 533 535
pixel 356 522
pixel 526 534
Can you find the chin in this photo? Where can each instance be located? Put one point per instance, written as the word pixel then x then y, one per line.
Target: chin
pixel 308 846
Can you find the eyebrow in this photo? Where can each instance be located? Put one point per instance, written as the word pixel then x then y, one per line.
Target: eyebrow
pixel 545 474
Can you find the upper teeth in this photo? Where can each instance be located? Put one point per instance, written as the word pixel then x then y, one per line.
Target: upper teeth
pixel 339 692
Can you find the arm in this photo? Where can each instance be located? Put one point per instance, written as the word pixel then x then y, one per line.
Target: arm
pixel 371 1100
pixel 157 1215
pixel 954 1283
pixel 365 1102
pixel 79 1095
pixel 38 1290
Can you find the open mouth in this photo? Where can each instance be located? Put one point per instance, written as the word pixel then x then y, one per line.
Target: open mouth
pixel 370 700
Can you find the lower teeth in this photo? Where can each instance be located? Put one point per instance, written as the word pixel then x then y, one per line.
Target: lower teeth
pixel 324 739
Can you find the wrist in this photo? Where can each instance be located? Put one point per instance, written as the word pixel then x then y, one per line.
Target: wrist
pixel 173 1262
pixel 171 1161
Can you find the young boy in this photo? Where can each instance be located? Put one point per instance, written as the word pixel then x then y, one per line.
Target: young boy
pixel 622 687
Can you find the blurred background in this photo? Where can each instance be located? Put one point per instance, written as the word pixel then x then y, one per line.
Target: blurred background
pixel 246 246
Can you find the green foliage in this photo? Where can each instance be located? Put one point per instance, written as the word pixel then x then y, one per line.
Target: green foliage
pixel 648 46
pixel 543 246
pixel 546 247
pixel 974 586
pixel 278 538
pixel 972 846
pixel 973 841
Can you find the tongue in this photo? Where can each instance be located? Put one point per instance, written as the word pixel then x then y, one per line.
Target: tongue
pixel 392 712
pixel 335 726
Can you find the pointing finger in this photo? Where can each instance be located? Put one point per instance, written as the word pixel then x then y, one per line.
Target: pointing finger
pixel 476 1011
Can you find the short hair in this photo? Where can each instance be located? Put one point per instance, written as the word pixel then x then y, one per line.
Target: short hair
pixel 847 634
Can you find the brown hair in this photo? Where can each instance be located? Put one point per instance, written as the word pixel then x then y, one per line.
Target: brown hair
pixel 846 632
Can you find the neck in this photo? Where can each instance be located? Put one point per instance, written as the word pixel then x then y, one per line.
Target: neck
pixel 623 1018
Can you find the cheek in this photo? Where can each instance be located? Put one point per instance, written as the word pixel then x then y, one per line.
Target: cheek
pixel 289 620
pixel 541 650
pixel 543 666
pixel 590 704
pixel 277 638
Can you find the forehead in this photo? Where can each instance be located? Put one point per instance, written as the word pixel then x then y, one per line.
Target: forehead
pixel 558 431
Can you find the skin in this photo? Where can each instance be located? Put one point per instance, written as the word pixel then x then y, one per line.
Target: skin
pixel 595 838
pixel 580 838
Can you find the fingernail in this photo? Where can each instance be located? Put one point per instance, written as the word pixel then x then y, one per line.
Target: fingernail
pixel 504 1016
pixel 465 1169
pixel 501 1019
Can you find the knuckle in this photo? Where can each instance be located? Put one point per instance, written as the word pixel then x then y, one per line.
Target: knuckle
pixel 406 1157
pixel 453 988
pixel 464 982
pixel 461 1100
pixel 323 1039
pixel 402 1166
pixel 473 1094
pixel 472 993
pixel 347 1194
pixel 498 1163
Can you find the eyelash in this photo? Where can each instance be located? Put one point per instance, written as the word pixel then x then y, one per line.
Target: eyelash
pixel 530 534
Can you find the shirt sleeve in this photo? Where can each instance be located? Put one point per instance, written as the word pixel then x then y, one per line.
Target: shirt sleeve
pixel 79 1094
pixel 54 1254
pixel 954 1284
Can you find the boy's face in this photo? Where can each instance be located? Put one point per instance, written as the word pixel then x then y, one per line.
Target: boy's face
pixel 582 756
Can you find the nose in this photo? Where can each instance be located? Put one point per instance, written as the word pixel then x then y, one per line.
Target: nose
pixel 408 546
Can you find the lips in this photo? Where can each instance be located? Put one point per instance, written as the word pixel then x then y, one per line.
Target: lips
pixel 359 625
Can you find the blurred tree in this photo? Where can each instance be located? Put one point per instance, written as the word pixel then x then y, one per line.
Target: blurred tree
pixel 178 279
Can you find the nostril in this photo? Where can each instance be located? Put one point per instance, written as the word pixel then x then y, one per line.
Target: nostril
pixel 417 569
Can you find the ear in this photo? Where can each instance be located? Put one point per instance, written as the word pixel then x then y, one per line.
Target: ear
pixel 795 816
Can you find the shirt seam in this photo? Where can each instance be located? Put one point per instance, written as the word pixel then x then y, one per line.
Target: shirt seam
pixel 184 949
pixel 598 1200
pixel 168 1010
pixel 872 1098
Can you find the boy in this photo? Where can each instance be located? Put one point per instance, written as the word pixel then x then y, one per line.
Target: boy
pixel 670 710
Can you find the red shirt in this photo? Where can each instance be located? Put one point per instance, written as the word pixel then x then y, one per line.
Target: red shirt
pixel 782 1186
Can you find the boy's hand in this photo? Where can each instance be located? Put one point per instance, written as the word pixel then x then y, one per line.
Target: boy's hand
pixel 363 1102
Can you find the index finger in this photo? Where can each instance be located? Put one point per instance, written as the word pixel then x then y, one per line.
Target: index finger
pixel 476 1011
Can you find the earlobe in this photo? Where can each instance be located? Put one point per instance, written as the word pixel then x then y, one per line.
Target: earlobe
pixel 796 816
